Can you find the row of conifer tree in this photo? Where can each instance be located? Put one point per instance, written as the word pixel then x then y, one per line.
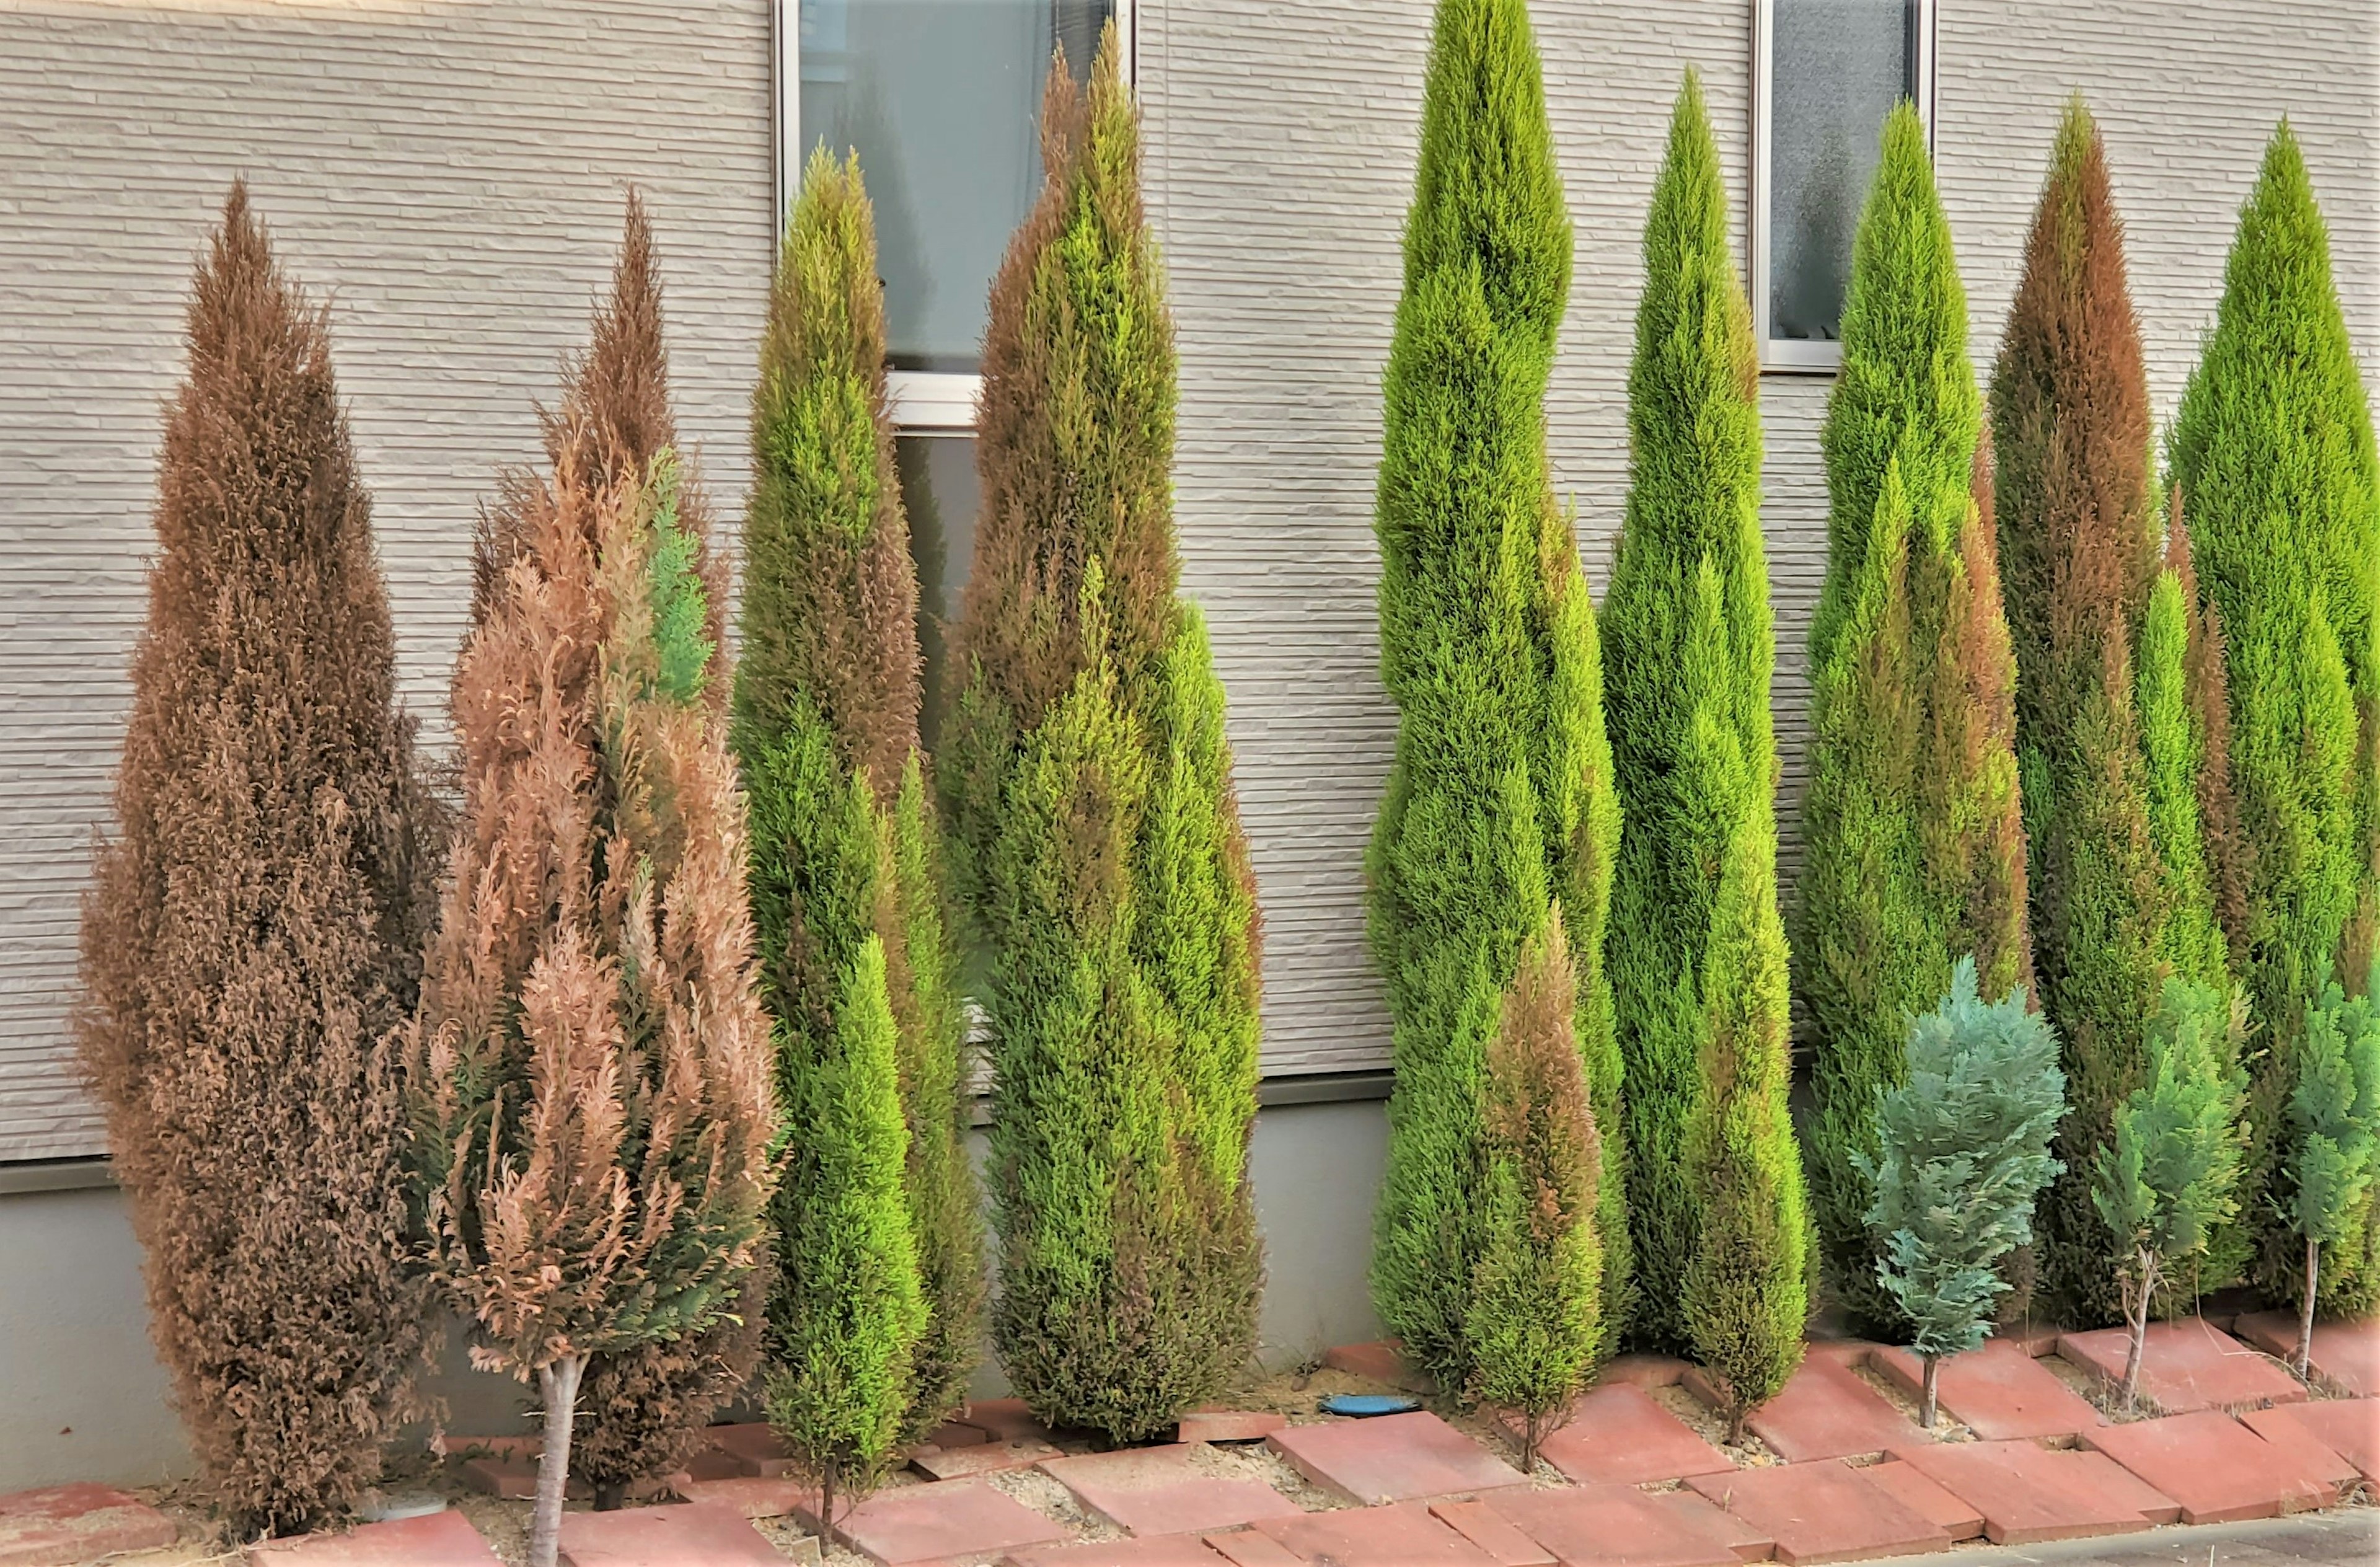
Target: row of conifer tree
pixel 645 1047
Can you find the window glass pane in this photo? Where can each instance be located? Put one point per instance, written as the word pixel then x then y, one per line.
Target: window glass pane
pixel 1835 69
pixel 937 487
pixel 941 98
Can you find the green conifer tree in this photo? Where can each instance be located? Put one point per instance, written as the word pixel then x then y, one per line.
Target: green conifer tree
pixel 1964 1150
pixel 874 1323
pixel 1098 837
pixel 2272 450
pixel 1913 842
pixel 2167 1177
pixel 1694 507
pixel 1500 806
pixel 2335 1117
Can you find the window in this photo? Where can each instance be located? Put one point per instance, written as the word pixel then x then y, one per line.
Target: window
pixel 942 99
pixel 1826 73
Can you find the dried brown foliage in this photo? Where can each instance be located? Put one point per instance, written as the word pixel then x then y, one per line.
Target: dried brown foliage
pixel 252 935
pixel 2210 704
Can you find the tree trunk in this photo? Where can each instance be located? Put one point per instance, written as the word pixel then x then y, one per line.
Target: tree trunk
pixel 1925 1407
pixel 826 1505
pixel 611 1496
pixel 2136 1318
pixel 2305 1312
pixel 559 1382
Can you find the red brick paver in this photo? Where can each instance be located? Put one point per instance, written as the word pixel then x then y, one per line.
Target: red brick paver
pixel 1822 1511
pixel 59 1524
pixel 434 1540
pixel 1618 1526
pixel 1910 1487
pixel 2186 1365
pixel 1229 1426
pixel 1154 1490
pixel 1247 1548
pixel 755 1449
pixel 665 1537
pixel 1380 1362
pixel 2346 1354
pixel 1158 1550
pixel 1827 1411
pixel 1706 1516
pixel 1492 1532
pixel 1643 1370
pixel 955 1433
pixel 1997 1391
pixel 983 1458
pixel 710 1463
pixel 1003 1420
pixel 2028 1493
pixel 1616 1434
pixel 939 1521
pixel 749 1496
pixel 2217 1469
pixel 2348 1427
pixel 1416 1457
pixel 1403 1535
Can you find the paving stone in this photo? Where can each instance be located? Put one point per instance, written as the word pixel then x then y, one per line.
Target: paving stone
pixel 487 1447
pixel 1616 1434
pixel 1493 1533
pixel 755 1449
pixel 2299 1447
pixel 2348 1427
pixel 512 1478
pixel 955 1433
pixel 1827 1411
pixel 2038 1343
pixel 2346 1354
pixel 444 1539
pixel 1822 1511
pixel 984 1458
pixel 1003 1420
pixel 2217 1469
pixel 1997 1391
pixel 1381 1362
pixel 1154 1490
pixel 2186 1365
pixel 1416 1457
pixel 1158 1550
pixel 665 1537
pixel 712 1463
pixel 1707 1517
pixel 1247 1548
pixel 1853 1353
pixel 58 1525
pixel 748 1496
pixel 1403 1535
pixel 1229 1426
pixel 941 1522
pixel 2028 1493
pixel 1910 1487
pixel 1643 1370
pixel 1620 1526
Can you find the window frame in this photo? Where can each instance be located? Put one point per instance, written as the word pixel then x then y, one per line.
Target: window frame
pixel 921 402
pixel 1793 355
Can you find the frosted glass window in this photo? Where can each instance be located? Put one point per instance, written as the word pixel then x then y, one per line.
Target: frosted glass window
pixel 942 99
pixel 939 487
pixel 1836 68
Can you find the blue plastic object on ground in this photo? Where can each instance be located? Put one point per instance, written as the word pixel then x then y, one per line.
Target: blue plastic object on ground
pixel 1363 1406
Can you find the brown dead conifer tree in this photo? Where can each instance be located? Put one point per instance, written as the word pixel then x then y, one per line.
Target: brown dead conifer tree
pixel 252 936
pixel 593 1113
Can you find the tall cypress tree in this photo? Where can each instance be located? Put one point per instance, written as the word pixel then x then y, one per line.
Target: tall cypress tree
pixel 1693 509
pixel 253 930
pixel 1914 847
pixel 1097 833
pixel 1500 806
pixel 2119 892
pixel 2272 453
pixel 875 1313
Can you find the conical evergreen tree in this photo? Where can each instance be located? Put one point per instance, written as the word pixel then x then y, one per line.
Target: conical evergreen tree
pixel 1694 507
pixel 2078 523
pixel 2272 453
pixel 1096 834
pixel 253 930
pixel 843 881
pixel 1500 806
pixel 1914 847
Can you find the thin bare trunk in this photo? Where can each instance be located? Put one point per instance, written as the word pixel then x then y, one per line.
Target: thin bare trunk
pixel 2136 1315
pixel 1932 1374
pixel 2305 1312
pixel 826 1506
pixel 559 1382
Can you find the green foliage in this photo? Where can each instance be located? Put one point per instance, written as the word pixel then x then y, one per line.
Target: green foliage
pixel 1965 1147
pixel 1499 808
pixel 2272 450
pixel 2334 1114
pixel 680 609
pixel 2178 753
pixel 2170 1172
pixel 1691 534
pixel 1746 1288
pixel 872 1325
pixel 1913 844
pixel 1095 827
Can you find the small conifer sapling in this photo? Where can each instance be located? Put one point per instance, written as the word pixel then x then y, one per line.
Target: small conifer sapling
pixel 2335 1119
pixel 1963 1147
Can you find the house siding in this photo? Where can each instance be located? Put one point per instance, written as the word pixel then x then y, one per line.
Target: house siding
pixel 447 175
